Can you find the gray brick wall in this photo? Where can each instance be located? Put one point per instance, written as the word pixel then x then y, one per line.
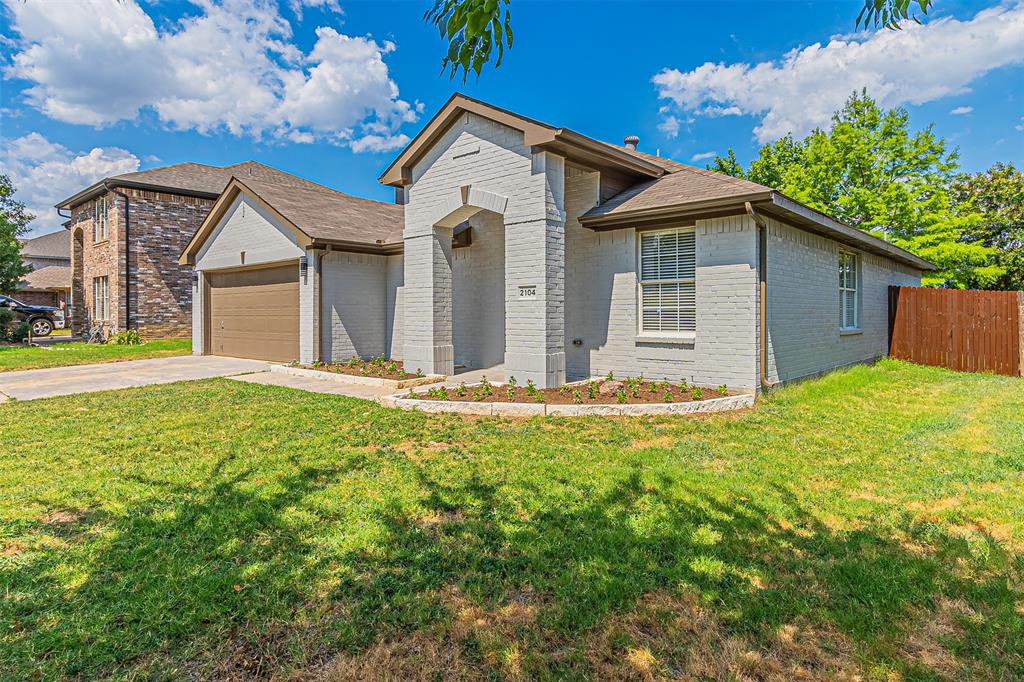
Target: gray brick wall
pixel 804 336
pixel 493 158
pixel 602 305
pixel 395 295
pixel 354 318
pixel 478 295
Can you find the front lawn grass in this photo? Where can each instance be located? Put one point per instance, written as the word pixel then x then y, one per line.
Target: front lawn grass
pixel 14 358
pixel 867 523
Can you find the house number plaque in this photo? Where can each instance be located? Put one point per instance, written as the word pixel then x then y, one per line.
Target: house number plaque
pixel 528 291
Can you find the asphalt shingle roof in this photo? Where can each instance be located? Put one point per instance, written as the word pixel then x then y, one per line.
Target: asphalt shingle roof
pixel 327 214
pixel 52 245
pixel 50 277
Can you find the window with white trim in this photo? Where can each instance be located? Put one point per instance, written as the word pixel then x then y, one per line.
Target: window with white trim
pixel 848 291
pixel 668 271
pixel 100 298
pixel 100 220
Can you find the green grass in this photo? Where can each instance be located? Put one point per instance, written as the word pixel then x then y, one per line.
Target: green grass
pixel 868 523
pixel 14 358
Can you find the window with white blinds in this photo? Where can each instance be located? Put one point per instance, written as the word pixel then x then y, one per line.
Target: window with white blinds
pixel 668 267
pixel 848 291
pixel 100 298
pixel 100 220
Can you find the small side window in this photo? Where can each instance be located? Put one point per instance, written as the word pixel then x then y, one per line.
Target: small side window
pixel 849 292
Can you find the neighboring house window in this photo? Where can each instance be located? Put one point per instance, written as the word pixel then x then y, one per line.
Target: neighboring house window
pixel 100 225
pixel 100 298
pixel 848 291
pixel 668 305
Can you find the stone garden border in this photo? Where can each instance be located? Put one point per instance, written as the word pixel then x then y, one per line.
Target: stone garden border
pixel 724 404
pixel 340 378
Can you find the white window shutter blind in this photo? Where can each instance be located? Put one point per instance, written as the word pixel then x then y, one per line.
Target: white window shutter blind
pixel 667 282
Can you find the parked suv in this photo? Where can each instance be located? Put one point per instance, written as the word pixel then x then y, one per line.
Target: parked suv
pixel 42 319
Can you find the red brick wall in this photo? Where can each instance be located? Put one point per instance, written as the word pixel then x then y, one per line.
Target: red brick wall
pixel 161 290
pixel 158 299
pixel 97 259
pixel 38 297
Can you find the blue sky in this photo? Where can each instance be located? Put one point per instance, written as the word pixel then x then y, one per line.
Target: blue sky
pixel 100 87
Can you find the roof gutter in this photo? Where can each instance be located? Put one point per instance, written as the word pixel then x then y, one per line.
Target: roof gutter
pixel 104 186
pixel 690 210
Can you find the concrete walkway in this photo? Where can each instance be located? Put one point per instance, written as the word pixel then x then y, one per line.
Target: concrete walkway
pixel 46 383
pixel 315 385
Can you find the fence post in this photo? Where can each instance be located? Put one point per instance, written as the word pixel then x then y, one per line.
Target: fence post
pixel 1020 331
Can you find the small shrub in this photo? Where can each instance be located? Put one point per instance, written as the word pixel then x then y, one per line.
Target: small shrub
pixel 620 396
pixel 392 367
pixel 653 387
pixel 512 382
pixel 683 386
pixel 477 395
pixel 486 387
pixel 129 337
pixel 402 374
pixel 668 396
pixel 510 392
pixel 461 390
pixel 419 373
pixel 591 390
pixel 577 397
pixel 411 395
pixel 697 393
pixel 538 396
pixel 611 376
pixel 723 390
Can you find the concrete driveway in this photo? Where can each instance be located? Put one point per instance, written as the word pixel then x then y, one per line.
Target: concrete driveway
pixel 45 383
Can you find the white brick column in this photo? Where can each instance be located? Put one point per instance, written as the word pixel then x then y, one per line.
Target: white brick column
pixel 198 313
pixel 535 277
pixel 309 311
pixel 428 299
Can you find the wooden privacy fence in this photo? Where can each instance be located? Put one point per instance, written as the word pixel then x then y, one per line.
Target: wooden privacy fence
pixel 970 331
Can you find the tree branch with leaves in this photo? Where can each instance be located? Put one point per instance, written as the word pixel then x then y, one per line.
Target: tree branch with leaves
pixel 473 29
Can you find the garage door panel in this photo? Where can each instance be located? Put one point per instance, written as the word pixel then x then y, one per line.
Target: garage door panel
pixel 255 313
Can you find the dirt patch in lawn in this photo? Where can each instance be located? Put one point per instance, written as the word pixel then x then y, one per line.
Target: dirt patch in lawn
pixel 664 637
pixel 603 392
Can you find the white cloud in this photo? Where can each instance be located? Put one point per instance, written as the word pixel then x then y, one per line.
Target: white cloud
pixel 328 5
pixel 703 156
pixel 44 173
pixel 1020 126
pixel 230 67
pixel 920 63
pixel 960 111
pixel 670 126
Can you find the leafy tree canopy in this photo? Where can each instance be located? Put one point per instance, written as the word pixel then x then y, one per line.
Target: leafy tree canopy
pixel 998 194
pixel 14 220
pixel 869 170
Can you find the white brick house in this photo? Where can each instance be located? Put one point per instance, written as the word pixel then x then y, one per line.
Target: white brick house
pixel 552 256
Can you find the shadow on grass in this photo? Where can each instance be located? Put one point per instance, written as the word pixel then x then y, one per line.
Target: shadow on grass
pixel 237 577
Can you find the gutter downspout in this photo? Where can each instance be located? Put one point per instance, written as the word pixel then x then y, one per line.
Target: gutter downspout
pixel 762 277
pixel 127 251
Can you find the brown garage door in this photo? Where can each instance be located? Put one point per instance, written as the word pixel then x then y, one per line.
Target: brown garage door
pixel 255 313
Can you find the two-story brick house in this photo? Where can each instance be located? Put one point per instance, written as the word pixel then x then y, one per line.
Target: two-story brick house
pixel 126 234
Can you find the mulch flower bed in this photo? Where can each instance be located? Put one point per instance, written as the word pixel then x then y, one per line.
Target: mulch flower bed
pixel 378 368
pixel 630 391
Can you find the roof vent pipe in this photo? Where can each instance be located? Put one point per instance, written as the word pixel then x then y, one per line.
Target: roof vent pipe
pixel 631 142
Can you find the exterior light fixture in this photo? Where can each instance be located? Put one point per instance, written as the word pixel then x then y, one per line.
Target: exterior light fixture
pixel 303 267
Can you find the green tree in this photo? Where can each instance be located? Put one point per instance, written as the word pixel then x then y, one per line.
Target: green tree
pixel 869 170
pixel 998 195
pixel 14 220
